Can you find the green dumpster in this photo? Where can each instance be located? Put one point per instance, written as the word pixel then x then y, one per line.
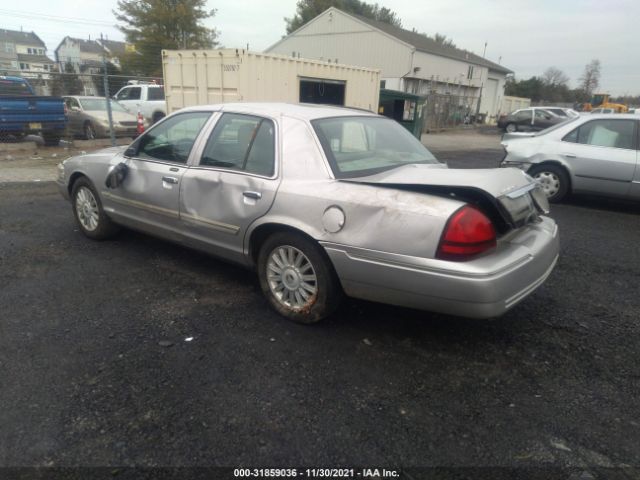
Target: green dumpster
pixel 405 108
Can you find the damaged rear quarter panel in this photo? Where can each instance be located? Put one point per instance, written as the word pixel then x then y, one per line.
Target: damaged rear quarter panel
pixel 376 218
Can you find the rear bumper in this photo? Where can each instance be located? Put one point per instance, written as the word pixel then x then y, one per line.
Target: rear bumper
pixel 482 288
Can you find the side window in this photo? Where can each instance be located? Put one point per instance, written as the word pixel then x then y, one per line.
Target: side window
pixel 607 133
pixel 541 114
pixel 134 93
pixel 123 94
pixel 572 136
pixel 524 115
pixel 155 93
pixel 172 139
pixel 242 142
pixel 72 103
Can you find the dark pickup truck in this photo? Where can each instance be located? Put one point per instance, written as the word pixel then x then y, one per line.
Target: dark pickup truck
pixel 22 112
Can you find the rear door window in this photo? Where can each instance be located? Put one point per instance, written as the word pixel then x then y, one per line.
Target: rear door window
pixel 155 93
pixel 242 142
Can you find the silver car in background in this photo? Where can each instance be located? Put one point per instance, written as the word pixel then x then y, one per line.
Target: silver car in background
pixel 595 154
pixel 88 118
pixel 322 201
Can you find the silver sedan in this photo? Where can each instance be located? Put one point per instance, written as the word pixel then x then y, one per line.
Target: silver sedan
pixel 323 202
pixel 596 154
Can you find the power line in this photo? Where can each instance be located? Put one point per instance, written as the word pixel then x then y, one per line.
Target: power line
pixel 55 18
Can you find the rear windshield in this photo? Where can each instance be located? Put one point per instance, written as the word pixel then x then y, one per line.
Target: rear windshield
pixel 155 93
pixel 13 87
pixel 359 146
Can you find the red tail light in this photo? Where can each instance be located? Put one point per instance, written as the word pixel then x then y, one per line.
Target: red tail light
pixel 140 127
pixel 468 233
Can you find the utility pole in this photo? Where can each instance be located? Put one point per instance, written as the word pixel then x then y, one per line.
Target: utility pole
pixel 106 94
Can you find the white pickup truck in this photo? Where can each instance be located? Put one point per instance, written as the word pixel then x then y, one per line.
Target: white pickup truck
pixel 147 99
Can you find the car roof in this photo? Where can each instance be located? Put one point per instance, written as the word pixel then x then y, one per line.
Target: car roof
pixel 296 110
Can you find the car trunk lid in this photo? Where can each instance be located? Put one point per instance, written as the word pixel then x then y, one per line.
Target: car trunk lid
pixel 508 195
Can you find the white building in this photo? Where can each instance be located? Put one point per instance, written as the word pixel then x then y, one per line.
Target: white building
pixel 409 61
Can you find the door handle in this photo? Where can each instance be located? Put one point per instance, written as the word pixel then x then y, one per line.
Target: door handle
pixel 251 194
pixel 173 180
pixel 569 155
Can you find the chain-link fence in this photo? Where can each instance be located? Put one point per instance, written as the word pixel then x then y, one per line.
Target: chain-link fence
pixel 446 111
pixel 84 103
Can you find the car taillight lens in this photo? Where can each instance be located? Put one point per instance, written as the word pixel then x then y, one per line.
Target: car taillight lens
pixel 468 233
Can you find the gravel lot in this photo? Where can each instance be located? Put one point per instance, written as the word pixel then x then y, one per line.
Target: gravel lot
pixel 98 369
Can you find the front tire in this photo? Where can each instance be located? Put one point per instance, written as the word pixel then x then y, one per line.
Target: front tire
pixel 87 209
pixel 511 127
pixel 297 278
pixel 89 131
pixel 553 179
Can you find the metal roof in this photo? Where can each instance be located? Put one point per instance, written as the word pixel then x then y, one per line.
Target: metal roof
pixel 425 44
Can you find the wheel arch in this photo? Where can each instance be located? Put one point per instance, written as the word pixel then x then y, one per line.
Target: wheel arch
pixel 75 176
pixel 263 231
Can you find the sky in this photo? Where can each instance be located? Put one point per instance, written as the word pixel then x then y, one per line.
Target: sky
pixel 525 36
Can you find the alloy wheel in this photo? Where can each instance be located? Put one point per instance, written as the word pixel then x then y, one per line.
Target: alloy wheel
pixel 87 209
pixel 291 277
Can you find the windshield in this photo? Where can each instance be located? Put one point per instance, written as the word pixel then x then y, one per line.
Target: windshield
pixel 359 146
pixel 100 104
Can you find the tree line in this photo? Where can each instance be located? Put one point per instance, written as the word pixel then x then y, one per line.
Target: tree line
pixel 553 87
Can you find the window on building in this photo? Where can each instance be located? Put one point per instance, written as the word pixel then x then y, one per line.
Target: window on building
pixel 41 51
pixel 8 47
pixel 24 66
pixel 470 72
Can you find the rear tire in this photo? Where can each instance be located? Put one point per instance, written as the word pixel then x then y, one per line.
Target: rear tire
pixel 553 179
pixel 51 139
pixel 157 117
pixel 87 209
pixel 297 278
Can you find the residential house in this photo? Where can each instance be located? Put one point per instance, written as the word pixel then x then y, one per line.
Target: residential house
pixel 25 54
pixel 408 61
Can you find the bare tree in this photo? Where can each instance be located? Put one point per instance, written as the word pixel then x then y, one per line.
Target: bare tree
pixel 553 76
pixel 590 79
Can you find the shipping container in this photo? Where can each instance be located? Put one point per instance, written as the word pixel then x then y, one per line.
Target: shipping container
pixel 511 104
pixel 202 77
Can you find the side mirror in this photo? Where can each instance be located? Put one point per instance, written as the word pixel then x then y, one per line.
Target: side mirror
pixel 132 151
pixel 75 109
pixel 116 175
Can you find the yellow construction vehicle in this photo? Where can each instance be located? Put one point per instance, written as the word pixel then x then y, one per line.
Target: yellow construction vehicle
pixel 601 100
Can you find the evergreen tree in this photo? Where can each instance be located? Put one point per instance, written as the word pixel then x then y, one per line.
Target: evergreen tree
pixel 154 25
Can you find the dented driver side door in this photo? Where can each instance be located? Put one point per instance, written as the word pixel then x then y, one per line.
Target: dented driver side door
pixel 231 184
